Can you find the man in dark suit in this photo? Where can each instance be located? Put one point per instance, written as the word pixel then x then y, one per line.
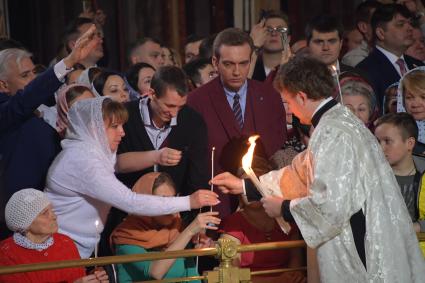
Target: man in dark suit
pixel 234 108
pixel 393 36
pixel 162 134
pixel 28 144
pixel 169 136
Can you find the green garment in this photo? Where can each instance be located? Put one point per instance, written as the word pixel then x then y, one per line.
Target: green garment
pixel 139 271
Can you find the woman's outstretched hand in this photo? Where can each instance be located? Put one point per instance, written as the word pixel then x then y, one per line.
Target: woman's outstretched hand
pixel 202 198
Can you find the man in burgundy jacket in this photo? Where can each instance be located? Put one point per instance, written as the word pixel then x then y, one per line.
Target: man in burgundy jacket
pixel 235 108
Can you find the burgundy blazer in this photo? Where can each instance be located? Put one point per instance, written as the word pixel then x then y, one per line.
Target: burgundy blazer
pixel 264 115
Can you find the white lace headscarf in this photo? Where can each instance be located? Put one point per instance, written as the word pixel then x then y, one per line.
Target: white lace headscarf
pixel 400 104
pixel 86 129
pixel 85 80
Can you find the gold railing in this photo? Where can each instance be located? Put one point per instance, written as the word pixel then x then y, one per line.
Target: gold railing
pixel 225 250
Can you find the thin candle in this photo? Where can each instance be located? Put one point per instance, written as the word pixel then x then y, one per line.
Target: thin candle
pixel 212 170
pixel 337 81
pixel 96 248
pixel 212 189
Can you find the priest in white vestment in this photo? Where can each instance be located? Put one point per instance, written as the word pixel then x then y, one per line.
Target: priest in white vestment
pixel 341 191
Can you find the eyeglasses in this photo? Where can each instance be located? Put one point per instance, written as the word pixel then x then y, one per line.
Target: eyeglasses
pixel 277 29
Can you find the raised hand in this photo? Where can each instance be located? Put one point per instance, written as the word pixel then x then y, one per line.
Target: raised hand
pixel 168 156
pixel 228 183
pixel 201 222
pixel 83 46
pixel 258 33
pixel 202 198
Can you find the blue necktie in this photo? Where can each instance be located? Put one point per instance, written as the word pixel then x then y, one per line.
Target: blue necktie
pixel 237 110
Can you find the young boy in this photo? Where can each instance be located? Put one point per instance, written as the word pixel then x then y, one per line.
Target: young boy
pixel 397 133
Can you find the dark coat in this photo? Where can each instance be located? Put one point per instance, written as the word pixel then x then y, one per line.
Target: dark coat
pixel 28 145
pixel 189 136
pixel 381 73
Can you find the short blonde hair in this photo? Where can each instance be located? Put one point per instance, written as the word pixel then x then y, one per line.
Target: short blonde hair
pixel 113 111
pixel 414 82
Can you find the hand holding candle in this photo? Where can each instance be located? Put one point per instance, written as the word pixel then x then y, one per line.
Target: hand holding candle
pixel 246 165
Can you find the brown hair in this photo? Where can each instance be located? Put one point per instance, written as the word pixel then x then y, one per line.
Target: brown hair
pixel 414 82
pixel 75 92
pixel 305 74
pixel 231 37
pixel 274 14
pixel 114 111
pixel 403 121
pixel 163 178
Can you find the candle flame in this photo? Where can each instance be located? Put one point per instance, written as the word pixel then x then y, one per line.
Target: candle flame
pixel 97 225
pixel 247 158
pixel 334 70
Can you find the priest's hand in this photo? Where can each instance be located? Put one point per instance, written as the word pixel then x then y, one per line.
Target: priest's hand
pixel 273 206
pixel 202 198
pixel 228 183
pixel 83 46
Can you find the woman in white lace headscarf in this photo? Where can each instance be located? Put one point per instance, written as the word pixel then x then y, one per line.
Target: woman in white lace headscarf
pixel 81 183
pixel 411 99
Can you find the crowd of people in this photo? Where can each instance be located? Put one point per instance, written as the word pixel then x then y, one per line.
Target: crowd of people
pixel 97 162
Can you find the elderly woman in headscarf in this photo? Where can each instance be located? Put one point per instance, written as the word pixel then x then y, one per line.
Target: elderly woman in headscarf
pixel 411 99
pixel 81 182
pixel 30 216
pixel 136 235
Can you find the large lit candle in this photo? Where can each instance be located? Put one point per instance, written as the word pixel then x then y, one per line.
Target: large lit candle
pixel 246 165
